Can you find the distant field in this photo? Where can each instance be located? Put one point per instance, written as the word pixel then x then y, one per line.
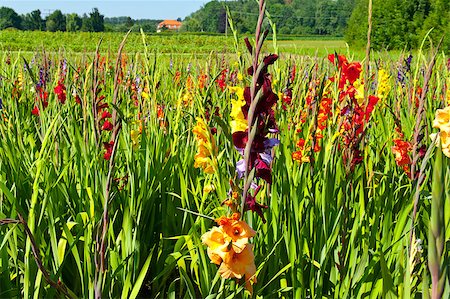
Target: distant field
pixel 320 47
pixel 185 44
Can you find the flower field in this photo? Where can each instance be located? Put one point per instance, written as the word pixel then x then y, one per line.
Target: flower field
pixel 246 174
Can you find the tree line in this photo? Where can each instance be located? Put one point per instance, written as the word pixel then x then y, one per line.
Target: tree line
pixel 299 17
pixel 57 21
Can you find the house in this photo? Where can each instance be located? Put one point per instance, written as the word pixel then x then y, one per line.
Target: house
pixel 169 25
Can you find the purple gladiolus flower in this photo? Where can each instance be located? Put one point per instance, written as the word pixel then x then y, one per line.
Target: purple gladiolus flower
pixel 267 158
pixel 271 142
pixel 240 168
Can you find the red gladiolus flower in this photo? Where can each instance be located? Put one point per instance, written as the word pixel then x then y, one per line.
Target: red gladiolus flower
pixel 35 111
pixel 222 80
pixel 293 72
pixel 60 91
pixel 107 126
pixel 401 151
pixel 108 149
pixel 77 99
pixel 341 59
pixel 105 114
pixel 373 100
pixel 351 71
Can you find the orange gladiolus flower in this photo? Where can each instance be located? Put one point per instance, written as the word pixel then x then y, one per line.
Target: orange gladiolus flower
pixel 228 247
pixel 241 265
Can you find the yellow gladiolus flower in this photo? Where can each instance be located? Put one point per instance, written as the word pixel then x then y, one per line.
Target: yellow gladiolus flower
pixel 384 87
pixel 238 121
pixel 206 149
pixel 442 119
pixel 442 122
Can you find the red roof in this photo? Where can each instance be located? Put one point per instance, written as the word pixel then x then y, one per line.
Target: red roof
pixel 170 24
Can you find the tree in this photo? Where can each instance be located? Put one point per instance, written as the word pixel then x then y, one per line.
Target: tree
pixel 129 23
pixel 398 24
pixel 439 20
pixel 56 21
pixel 86 24
pixel 33 21
pixel 73 22
pixel 97 21
pixel 9 18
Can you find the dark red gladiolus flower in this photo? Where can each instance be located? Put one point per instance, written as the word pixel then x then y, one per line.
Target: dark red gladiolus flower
pixel 270 59
pixel 77 99
pixel 252 205
pixel 263 123
pixel 101 106
pixel 108 149
pixel 248 45
pixel 263 171
pixel 240 139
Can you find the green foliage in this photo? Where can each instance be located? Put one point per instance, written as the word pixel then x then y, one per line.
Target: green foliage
pixel 211 18
pixel 56 21
pixel 324 17
pixel 96 21
pixel 73 22
pixel 33 21
pixel 123 24
pixel 399 24
pixel 9 18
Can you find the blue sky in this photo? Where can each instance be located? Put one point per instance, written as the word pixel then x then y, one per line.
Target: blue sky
pixel 151 9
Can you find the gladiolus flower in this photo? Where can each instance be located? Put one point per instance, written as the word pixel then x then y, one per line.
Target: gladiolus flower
pixel 442 122
pixel 401 151
pixel 241 265
pixel 60 91
pixel 228 247
pixel 383 84
pixel 108 149
pixel 35 111
pixel 105 114
pixel 107 126
pixel 238 121
pixel 442 119
pixel 222 80
pixel 205 157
